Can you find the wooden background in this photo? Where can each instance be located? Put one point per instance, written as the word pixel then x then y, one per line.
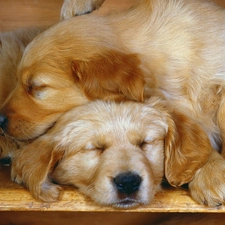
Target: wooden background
pixel 16 204
pixel 24 13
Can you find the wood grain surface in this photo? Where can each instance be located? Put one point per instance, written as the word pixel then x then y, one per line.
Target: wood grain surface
pixel 15 197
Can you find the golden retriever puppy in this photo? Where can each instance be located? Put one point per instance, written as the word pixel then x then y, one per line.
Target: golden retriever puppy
pixel 113 153
pixel 12 45
pixel 73 8
pixel 174 48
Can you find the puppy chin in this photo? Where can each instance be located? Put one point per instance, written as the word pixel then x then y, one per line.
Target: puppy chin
pixel 127 203
pixel 31 136
pixel 119 201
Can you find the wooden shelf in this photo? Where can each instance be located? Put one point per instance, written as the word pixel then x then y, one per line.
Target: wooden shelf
pixel 14 197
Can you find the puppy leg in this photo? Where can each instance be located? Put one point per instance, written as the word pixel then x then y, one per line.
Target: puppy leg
pixel 208 184
pixel 73 8
pixel 32 166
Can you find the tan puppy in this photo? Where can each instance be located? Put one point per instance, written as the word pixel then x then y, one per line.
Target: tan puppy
pixel 174 48
pixel 12 45
pixel 113 153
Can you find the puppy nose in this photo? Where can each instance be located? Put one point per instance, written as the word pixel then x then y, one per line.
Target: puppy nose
pixel 127 183
pixel 3 122
pixel 5 161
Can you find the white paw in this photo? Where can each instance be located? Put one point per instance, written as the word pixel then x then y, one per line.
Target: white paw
pixel 49 192
pixel 16 176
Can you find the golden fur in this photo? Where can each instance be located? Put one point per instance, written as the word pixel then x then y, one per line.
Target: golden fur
pixel 174 48
pixel 91 145
pixel 12 45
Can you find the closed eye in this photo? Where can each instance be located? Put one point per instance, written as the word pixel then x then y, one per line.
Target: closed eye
pixel 144 144
pixel 96 147
pixel 29 89
pixel 36 91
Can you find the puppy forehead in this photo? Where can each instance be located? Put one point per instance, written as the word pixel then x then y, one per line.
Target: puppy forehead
pixel 110 122
pixel 40 77
pixel 28 75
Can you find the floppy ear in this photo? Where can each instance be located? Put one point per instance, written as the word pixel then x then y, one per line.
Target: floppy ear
pixel 33 165
pixel 187 149
pixel 111 75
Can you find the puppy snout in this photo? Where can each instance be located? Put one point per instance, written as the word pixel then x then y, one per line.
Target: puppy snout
pixel 127 183
pixel 3 122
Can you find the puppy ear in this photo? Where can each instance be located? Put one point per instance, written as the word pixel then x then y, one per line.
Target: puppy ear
pixel 50 192
pixel 112 75
pixel 187 148
pixel 33 165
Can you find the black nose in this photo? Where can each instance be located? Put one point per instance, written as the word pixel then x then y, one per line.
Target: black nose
pixel 5 161
pixel 3 122
pixel 127 183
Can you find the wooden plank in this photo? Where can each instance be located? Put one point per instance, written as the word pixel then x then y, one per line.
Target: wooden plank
pixel 14 197
pixel 26 13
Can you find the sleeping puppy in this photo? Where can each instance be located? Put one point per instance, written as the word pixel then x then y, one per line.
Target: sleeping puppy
pixel 113 153
pixel 12 45
pixel 174 48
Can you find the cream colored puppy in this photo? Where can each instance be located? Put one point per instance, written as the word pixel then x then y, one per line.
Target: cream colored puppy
pixel 113 153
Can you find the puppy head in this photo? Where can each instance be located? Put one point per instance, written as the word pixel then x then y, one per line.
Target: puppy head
pixel 112 153
pixel 38 100
pixel 115 153
pixel 158 131
pixel 67 66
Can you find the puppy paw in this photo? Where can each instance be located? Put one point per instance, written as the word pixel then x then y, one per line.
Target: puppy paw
pixel 49 192
pixel 17 170
pixel 16 175
pixel 35 178
pixel 208 184
pixel 71 8
pixel 46 191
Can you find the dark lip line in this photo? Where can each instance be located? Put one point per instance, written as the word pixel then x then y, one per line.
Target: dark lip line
pixel 130 203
